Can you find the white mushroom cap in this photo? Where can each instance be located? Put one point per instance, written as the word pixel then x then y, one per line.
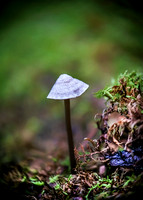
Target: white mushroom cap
pixel 67 87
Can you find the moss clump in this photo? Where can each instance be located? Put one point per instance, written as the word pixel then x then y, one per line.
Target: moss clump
pixel 118 152
pixel 127 87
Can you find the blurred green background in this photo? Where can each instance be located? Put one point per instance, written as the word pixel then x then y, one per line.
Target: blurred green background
pixel 93 41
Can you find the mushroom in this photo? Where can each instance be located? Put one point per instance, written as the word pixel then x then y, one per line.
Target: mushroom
pixel 66 88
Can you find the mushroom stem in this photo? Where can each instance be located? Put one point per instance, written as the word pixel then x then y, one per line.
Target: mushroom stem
pixel 69 135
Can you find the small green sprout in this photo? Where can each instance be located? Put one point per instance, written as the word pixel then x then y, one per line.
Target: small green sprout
pixel 92 188
pixel 35 181
pixel 70 177
pixel 53 179
pixel 130 179
pixel 43 191
pixel 54 159
pixel 101 183
pixel 38 183
pixel 23 179
pixel 57 186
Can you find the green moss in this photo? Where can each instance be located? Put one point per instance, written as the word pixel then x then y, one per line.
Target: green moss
pixel 126 86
